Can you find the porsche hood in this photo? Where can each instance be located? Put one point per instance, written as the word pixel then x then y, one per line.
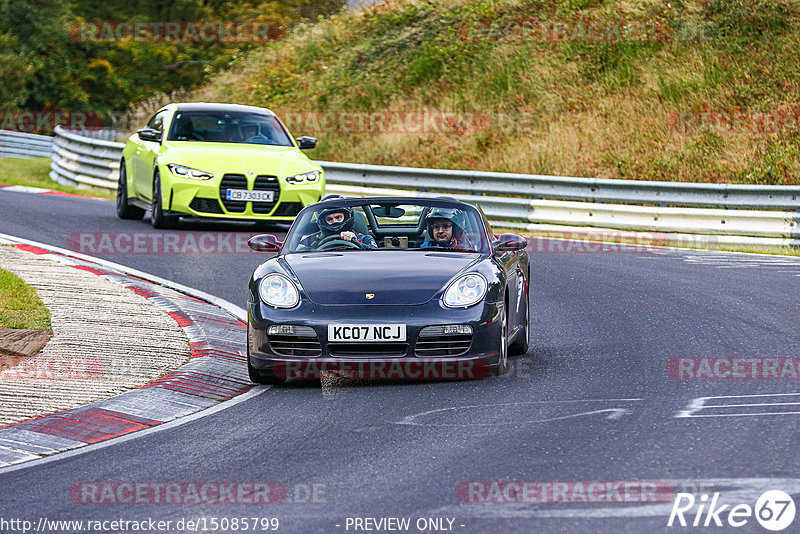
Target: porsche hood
pixel 391 277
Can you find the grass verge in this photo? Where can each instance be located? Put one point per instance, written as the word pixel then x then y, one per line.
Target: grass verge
pixel 20 306
pixel 648 108
pixel 34 172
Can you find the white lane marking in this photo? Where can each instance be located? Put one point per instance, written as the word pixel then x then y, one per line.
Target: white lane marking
pixel 752 404
pixel 25 189
pixel 701 403
pixel 614 413
pixel 256 391
pixel 742 260
pixel 732 491
pixel 40 190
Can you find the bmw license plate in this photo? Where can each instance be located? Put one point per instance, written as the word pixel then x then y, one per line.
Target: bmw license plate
pixel 366 332
pixel 248 195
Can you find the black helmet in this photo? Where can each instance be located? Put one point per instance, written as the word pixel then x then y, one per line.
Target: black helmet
pixel 455 216
pixel 335 228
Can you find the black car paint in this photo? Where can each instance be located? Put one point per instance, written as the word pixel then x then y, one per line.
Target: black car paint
pixel 333 287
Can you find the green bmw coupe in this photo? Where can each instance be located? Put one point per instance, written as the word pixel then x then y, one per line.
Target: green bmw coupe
pixel 222 161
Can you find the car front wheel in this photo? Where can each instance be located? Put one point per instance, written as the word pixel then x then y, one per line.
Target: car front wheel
pixel 520 346
pixel 256 376
pixel 502 360
pixel 157 217
pixel 125 210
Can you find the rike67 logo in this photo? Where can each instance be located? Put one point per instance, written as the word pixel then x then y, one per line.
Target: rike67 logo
pixel 774 510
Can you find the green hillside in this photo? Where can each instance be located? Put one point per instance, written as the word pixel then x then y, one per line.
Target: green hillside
pixel 694 90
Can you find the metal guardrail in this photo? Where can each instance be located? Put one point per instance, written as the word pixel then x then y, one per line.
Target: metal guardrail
pixel 24 145
pixel 565 188
pixel 711 213
pixel 106 134
pixel 78 159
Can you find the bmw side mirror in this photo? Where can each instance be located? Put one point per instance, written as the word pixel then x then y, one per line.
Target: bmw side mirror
pixel 148 134
pixel 509 243
pixel 306 142
pixel 264 243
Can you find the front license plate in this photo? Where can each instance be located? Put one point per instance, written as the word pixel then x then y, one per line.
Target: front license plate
pixel 250 196
pixel 366 332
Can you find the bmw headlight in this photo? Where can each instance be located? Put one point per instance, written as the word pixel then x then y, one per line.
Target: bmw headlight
pixel 188 172
pixel 278 291
pixel 305 178
pixel 465 291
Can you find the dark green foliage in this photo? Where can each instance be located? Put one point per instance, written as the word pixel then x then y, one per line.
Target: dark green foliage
pixel 45 64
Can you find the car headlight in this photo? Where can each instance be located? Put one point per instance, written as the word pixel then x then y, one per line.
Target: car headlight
pixel 305 178
pixel 188 172
pixel 465 291
pixel 278 291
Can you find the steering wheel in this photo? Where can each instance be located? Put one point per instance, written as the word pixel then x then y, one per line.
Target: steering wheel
pixel 333 241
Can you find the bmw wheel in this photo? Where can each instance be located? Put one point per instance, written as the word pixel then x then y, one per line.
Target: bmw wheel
pixel 125 210
pixel 157 217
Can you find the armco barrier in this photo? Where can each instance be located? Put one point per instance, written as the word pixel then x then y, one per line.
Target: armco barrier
pixel 78 159
pixel 717 213
pixel 565 188
pixel 24 145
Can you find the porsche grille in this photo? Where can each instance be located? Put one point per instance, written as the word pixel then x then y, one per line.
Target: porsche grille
pixel 443 345
pixel 303 344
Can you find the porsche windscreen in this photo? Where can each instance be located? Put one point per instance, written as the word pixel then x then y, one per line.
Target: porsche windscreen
pixel 440 227
pixel 229 127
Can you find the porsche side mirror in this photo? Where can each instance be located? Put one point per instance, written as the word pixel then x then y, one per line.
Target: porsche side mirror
pixel 148 134
pixel 306 142
pixel 264 243
pixel 509 243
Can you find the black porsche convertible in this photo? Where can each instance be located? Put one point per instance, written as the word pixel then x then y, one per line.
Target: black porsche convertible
pixel 387 288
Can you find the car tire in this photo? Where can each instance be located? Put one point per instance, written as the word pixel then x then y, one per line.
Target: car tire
pixel 256 376
pixel 520 346
pixel 502 361
pixel 125 210
pixel 157 217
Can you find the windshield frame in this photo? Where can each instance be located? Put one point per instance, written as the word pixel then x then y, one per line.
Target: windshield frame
pixel 276 124
pixel 302 224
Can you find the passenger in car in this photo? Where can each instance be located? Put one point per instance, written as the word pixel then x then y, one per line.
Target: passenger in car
pixel 446 229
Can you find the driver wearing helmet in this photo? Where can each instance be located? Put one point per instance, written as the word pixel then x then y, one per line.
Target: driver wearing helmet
pixel 446 229
pixel 337 222
pixel 251 133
